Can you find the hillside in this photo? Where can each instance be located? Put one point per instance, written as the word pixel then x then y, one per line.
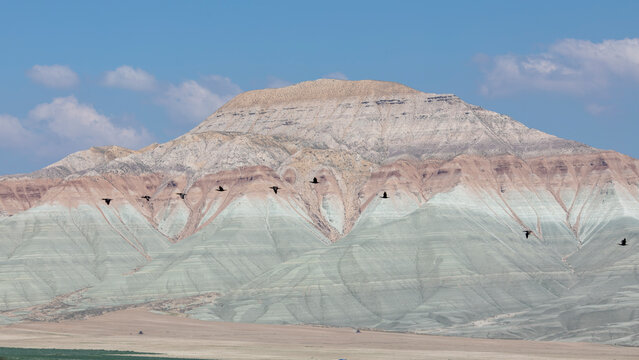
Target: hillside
pixel 445 254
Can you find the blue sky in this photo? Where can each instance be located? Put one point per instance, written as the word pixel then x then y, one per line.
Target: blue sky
pixel 77 74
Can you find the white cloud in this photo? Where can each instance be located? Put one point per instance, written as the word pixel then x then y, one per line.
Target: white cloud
pixel 127 77
pixel 275 83
pixel 620 57
pixel 569 66
pixel 13 134
pixel 336 75
pixel 55 76
pixel 63 126
pixel 221 85
pixel 595 109
pixel 81 125
pixel 193 102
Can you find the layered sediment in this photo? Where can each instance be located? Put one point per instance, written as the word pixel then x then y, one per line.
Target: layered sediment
pixel 445 254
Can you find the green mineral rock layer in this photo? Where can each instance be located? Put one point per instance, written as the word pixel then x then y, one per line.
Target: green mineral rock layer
pixel 446 253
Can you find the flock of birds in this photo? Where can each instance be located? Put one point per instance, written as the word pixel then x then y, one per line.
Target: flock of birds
pixel 314 181
pixel 180 194
pixel 220 188
pixel 623 242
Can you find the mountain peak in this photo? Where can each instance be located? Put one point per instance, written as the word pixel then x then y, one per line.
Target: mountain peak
pixel 463 184
pixel 381 120
pixel 317 90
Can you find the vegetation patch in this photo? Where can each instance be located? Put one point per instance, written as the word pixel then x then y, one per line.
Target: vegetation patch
pixel 50 354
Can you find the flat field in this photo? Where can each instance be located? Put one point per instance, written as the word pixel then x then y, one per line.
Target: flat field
pixel 175 336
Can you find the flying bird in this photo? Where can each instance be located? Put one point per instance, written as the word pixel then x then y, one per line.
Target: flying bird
pixel 314 181
pixel 275 188
pixel 182 195
pixel 146 197
pixel 220 188
pixel 107 200
pixel 623 242
pixel 384 195
pixel 527 232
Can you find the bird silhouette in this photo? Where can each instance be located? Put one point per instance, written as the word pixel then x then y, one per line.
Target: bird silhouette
pixel 146 197
pixel 623 242
pixel 527 232
pixel 275 188
pixel 182 195
pixel 384 195
pixel 107 200
pixel 314 181
pixel 220 188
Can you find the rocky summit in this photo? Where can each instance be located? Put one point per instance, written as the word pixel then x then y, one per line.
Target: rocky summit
pixel 445 253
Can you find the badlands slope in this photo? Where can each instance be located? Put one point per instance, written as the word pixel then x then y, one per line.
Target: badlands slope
pixel 445 254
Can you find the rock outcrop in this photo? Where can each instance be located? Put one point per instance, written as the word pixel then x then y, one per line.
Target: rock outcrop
pixel 444 254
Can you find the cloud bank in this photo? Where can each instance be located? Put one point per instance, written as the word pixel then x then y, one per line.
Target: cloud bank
pixel 65 125
pixel 569 66
pixel 13 134
pixel 81 124
pixel 126 77
pixel 53 76
pixel 193 101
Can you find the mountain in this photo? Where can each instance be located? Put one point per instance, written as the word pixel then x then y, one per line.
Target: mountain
pixel 444 254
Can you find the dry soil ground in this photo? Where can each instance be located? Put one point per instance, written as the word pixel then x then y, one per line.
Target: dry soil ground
pixel 183 337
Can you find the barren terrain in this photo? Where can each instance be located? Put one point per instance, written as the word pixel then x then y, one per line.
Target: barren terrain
pixel 444 254
pixel 183 337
